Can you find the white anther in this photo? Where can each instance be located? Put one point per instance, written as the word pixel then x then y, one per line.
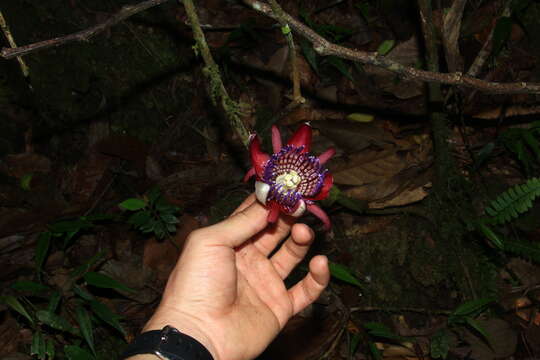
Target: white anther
pixel 261 191
pixel 300 210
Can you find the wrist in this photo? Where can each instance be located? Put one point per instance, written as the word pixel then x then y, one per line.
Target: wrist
pixel 184 323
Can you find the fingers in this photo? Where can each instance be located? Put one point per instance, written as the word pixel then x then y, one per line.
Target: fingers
pixel 237 228
pixel 310 288
pixel 267 241
pixel 245 204
pixel 293 250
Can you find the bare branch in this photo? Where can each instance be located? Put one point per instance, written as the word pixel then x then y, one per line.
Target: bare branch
pixel 324 47
pixel 83 35
pixel 451 32
pixel 211 70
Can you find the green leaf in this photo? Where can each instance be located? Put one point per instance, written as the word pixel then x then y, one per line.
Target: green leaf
pixel 440 344
pixel 38 347
pixel 502 31
pixel 82 269
pixel 105 314
pixel 133 204
pixel 56 321
pixel 85 325
pixel 359 117
pixel 356 205
pixel 140 218
pixel 343 273
pixel 353 345
pixel 380 330
pixel 70 226
pixel 49 349
pixel 83 294
pixel 29 286
pixel 25 181
pixel 491 235
pixel 385 47
pixel 74 352
pixel 309 54
pixel 374 351
pixel 153 194
pixel 104 281
pixel 42 248
pixel 339 64
pixel 54 301
pixel 169 219
pixel 477 327
pixel 285 30
pixel 472 307
pixel 16 305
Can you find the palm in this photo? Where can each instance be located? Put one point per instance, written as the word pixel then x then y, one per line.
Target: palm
pixel 226 287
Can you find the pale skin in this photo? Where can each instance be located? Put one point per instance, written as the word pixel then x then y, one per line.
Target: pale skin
pixel 226 290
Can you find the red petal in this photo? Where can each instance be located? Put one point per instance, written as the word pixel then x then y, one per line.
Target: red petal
pixel 258 158
pixel 325 189
pixel 249 174
pixel 318 212
pixel 325 156
pixel 274 212
pixel 302 136
pixel 276 139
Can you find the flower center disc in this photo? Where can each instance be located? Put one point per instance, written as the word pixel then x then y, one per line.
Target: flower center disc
pixel 288 180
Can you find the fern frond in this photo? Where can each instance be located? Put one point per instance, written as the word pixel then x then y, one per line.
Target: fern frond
pixel 521 248
pixel 514 201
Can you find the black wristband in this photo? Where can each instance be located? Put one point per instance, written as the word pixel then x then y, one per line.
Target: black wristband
pixel 167 343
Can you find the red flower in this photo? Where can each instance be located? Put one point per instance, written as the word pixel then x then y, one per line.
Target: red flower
pixel 291 179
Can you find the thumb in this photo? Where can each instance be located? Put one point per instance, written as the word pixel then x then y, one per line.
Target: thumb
pixel 241 226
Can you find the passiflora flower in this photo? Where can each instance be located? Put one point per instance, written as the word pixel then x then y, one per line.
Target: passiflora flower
pixel 291 179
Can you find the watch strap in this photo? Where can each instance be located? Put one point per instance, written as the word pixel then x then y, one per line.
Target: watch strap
pixel 167 343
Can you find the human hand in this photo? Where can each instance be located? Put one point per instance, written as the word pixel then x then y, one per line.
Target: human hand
pixel 226 291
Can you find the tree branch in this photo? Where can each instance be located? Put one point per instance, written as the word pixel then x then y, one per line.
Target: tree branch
pixel 83 35
pixel 211 70
pixel 324 48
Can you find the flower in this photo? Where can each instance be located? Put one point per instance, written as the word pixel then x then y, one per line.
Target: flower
pixel 291 179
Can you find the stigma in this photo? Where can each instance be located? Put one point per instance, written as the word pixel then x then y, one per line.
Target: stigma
pixel 288 180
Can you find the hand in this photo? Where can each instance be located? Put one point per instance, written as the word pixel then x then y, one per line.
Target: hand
pixel 226 291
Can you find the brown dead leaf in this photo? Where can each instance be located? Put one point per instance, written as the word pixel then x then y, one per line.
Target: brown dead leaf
pixel 353 136
pixel 366 167
pixel 10 336
pixel 502 340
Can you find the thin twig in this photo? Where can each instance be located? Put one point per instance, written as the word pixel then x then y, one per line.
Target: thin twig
pixel 324 47
pixel 211 70
pixel 400 310
pixel 83 35
pixel 451 32
pixel 11 40
pixel 295 75
pixel 484 53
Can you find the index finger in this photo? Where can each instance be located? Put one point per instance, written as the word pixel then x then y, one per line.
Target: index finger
pixel 240 226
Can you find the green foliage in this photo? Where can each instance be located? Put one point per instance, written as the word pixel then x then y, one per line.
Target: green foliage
pixel 152 214
pixel 502 31
pixel 343 273
pixel 463 316
pixel 505 208
pixel 69 313
pixel 385 47
pixel 514 201
pixel 333 33
pixel 524 144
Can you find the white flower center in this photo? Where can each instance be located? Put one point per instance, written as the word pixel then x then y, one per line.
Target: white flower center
pixel 289 180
